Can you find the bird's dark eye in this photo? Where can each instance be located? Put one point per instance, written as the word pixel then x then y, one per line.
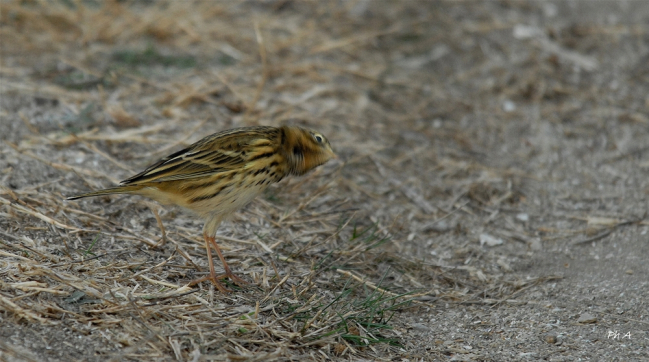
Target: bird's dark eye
pixel 318 139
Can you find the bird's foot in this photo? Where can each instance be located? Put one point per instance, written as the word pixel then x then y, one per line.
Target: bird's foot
pixel 235 279
pixel 215 279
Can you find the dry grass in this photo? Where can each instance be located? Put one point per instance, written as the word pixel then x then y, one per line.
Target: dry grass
pixel 335 258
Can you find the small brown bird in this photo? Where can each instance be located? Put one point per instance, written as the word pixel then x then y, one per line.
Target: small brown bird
pixel 223 172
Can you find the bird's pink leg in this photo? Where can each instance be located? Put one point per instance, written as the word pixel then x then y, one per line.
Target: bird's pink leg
pixel 228 272
pixel 213 277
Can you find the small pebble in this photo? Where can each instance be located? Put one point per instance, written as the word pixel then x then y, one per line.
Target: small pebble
pixel 536 245
pixel 551 338
pixel 629 271
pixel 420 327
pixel 509 106
pixel 339 348
pixel 490 240
pixel 587 318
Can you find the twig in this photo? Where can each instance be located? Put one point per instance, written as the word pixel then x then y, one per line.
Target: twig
pixel 594 238
pixel 153 267
pixel 365 282
pixel 19 311
pixel 608 232
pixel 83 260
pixel 264 72
pixel 409 192
pixel 37 214
pixel 330 45
pixel 534 283
pixel 106 156
pixel 176 143
pixel 154 209
pixel 61 166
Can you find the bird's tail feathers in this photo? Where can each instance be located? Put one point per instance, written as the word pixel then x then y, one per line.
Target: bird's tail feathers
pixel 109 191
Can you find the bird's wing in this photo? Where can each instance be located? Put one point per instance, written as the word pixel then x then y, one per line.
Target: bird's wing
pixel 220 152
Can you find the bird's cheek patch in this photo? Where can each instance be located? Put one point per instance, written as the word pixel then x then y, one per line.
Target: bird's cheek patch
pixel 297 152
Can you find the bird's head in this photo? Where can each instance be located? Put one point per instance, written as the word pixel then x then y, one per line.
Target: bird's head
pixel 305 149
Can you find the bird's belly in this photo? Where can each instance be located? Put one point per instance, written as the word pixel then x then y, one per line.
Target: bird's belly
pixel 226 203
pixel 219 195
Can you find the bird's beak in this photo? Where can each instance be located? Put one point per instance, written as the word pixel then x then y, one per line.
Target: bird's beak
pixel 332 154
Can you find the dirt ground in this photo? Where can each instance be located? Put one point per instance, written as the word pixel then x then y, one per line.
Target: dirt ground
pixel 489 202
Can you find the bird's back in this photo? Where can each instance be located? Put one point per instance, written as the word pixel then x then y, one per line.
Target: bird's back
pixel 217 174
